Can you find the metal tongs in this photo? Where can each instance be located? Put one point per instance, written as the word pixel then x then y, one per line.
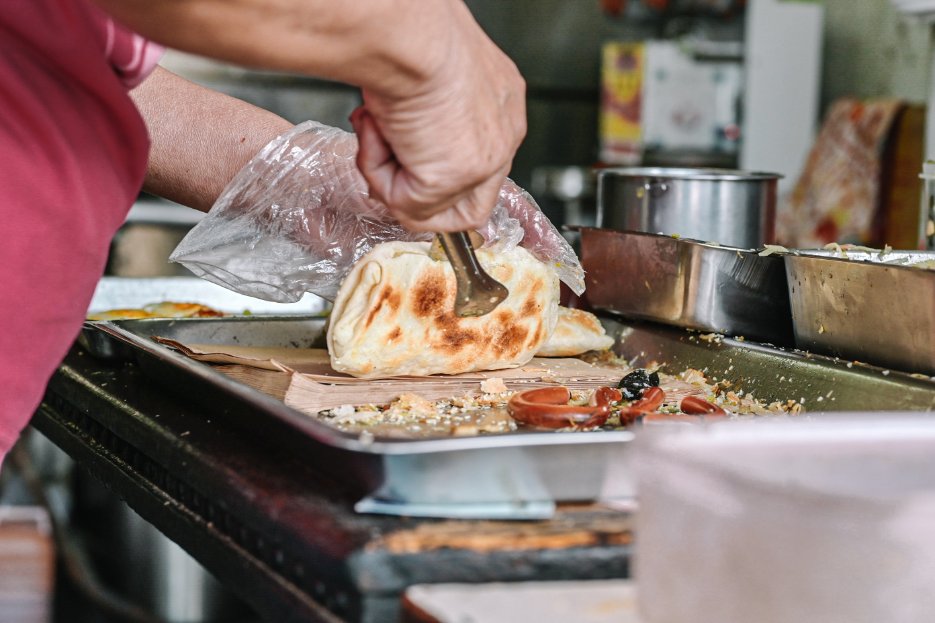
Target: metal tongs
pixel 478 292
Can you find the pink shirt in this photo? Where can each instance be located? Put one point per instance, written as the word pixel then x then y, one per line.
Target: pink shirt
pixel 73 151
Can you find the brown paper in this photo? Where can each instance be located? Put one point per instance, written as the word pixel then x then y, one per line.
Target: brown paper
pixel 274 383
pixel 314 386
pixel 313 393
pixel 267 358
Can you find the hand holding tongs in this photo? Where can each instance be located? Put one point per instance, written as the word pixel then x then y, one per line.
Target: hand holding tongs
pixel 478 292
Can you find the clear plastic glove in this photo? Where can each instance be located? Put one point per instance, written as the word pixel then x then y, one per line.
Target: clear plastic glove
pixel 298 216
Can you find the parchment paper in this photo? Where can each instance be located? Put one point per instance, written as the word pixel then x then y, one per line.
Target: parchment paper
pixel 314 386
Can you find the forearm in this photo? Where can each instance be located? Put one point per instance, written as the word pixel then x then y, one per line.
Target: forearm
pixel 444 108
pixel 386 46
pixel 200 138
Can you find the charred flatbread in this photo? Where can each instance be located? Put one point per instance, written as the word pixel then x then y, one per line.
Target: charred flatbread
pixel 162 309
pixel 394 315
pixel 576 332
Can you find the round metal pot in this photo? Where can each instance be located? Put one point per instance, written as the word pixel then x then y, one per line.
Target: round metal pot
pixel 733 208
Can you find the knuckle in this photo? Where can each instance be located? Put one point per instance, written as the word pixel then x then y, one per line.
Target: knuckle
pixel 475 173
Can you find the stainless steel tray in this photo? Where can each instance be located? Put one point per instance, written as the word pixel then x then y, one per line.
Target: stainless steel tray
pixel 822 384
pixel 513 475
pixel 871 307
pixel 134 292
pixel 137 292
pixel 516 475
pixel 687 283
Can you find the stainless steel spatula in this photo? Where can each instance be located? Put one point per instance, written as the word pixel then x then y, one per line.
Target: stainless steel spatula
pixel 478 292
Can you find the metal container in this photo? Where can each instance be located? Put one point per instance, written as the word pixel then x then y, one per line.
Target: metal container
pixel 687 283
pixel 736 208
pixel 872 307
pixel 130 292
pixel 516 475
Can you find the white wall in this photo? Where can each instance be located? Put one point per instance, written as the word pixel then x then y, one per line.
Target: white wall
pixel 783 72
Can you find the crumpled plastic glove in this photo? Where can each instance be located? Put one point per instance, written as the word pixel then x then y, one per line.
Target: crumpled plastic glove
pixel 298 216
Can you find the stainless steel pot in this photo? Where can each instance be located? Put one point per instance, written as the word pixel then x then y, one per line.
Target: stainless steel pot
pixel 735 208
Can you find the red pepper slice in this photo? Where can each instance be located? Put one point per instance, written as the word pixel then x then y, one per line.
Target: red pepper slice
pixel 606 395
pixel 652 399
pixel 693 405
pixel 548 407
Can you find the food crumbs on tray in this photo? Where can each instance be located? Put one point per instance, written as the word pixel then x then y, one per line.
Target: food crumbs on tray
pixel 491 409
pixel 343 411
pixel 493 385
pixel 770 249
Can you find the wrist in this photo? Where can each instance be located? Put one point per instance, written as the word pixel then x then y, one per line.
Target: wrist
pixel 407 46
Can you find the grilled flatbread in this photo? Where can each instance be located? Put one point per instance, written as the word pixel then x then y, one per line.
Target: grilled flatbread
pixel 394 315
pixel 163 309
pixel 576 332
pixel 120 314
pixel 173 309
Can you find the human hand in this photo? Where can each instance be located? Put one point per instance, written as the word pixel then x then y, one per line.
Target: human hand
pixel 444 108
pixel 437 155
pixel 299 216
pixel 515 219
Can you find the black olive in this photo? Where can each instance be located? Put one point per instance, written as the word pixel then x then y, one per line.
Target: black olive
pixel 633 384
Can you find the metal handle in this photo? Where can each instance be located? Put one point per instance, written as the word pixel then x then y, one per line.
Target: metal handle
pixel 655 188
pixel 651 189
pixel 478 292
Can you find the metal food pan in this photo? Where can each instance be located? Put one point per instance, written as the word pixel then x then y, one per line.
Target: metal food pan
pixel 866 306
pixel 519 474
pixel 822 384
pixel 687 283
pixel 734 207
pixel 137 292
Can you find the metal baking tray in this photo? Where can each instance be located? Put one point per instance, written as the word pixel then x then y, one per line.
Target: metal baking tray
pixel 687 283
pixel 137 292
pixel 519 474
pixel 866 306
